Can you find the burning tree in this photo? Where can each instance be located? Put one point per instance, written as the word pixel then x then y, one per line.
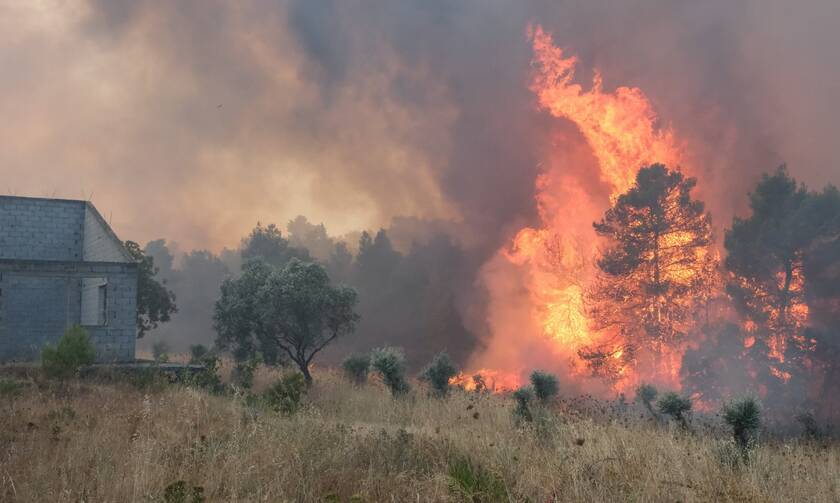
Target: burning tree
pixel 777 259
pixel 656 270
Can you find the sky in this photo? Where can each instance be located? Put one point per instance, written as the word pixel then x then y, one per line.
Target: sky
pixel 192 120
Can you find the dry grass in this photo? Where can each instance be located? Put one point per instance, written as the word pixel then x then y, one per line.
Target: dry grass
pixel 111 442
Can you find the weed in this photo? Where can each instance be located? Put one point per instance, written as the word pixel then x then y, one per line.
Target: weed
pixel 473 483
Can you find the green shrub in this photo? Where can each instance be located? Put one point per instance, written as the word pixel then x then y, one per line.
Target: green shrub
pixel 523 396
pixel 356 368
pixel 744 416
pixel 473 483
pixel 286 394
pixel 73 351
pixel 646 394
pixel 10 388
pixel 181 492
pixel 160 351
pixel 198 352
pixel 243 372
pixel 390 363
pixel 676 406
pixel 544 384
pixel 810 428
pixel 438 373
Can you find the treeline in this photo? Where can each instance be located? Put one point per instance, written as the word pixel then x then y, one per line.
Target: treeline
pixel 407 299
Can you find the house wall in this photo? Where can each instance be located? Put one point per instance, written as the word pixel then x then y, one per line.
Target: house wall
pixel 41 229
pixel 40 300
pixel 99 243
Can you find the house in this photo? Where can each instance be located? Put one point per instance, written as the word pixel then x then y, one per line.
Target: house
pixel 62 265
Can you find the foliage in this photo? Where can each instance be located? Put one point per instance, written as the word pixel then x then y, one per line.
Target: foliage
pixel 73 351
pixel 181 492
pixel 207 378
pixel 544 384
pixel 155 303
pixel 655 271
pixel 523 397
pixel 9 388
pixel 646 394
pixel 294 310
pixel 267 243
pixel 475 484
pixel 390 364
pixel 160 351
pixel 243 372
pixel 810 428
pixel 676 406
pixel 356 367
pixel 198 352
pixel 438 373
pixel 286 394
pixel 744 416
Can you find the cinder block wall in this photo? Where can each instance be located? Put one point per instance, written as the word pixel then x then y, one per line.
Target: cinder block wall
pixel 41 229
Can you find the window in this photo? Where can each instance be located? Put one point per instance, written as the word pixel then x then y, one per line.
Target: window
pixel 94 302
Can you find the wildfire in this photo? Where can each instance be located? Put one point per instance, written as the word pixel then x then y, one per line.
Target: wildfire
pixel 486 380
pixel 621 131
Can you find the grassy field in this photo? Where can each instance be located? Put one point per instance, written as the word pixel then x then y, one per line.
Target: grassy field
pixel 95 442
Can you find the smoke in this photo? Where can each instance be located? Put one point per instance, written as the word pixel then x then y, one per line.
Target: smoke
pixel 194 120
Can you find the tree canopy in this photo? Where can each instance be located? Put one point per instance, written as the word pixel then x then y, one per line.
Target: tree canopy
pixel 655 268
pixel 292 311
pixel 155 302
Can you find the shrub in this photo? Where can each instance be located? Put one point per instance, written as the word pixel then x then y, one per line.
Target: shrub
pixel 198 352
pixel 438 373
pixel 646 394
pixel 474 483
pixel 181 492
pixel 390 363
pixel 286 394
pixel 73 351
pixel 544 384
pixel 523 396
pixel 160 351
pixel 243 372
pixel 810 428
pixel 676 406
pixel 744 416
pixel 356 368
pixel 10 388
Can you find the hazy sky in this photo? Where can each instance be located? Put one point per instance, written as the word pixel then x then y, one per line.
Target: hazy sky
pixel 191 120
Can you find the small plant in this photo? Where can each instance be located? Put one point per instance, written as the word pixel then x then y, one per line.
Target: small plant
pixel 356 368
pixel 181 492
pixel 810 428
pixel 676 406
pixel 646 394
pixel 744 416
pixel 729 455
pixel 474 483
pixel 74 350
pixel 544 384
pixel 207 378
pixel 390 363
pixel 243 372
pixel 286 394
pixel 438 373
pixel 10 388
pixel 523 396
pixel 160 351
pixel 197 353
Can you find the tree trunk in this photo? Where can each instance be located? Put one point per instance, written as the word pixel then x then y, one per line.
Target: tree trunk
pixel 304 369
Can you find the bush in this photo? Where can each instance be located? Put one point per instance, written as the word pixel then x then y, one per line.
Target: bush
pixel 181 492
pixel 474 483
pixel 523 396
pixel 10 388
pixel 73 351
pixel 198 352
pixel 438 373
pixel 646 394
pixel 810 428
pixel 544 384
pixel 160 351
pixel 676 406
pixel 286 394
pixel 356 368
pixel 390 363
pixel 744 416
pixel 243 372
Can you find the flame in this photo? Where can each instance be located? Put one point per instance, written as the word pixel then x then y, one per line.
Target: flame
pixel 622 132
pixel 486 380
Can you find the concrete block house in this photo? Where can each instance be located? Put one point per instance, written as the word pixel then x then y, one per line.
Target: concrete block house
pixel 62 265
